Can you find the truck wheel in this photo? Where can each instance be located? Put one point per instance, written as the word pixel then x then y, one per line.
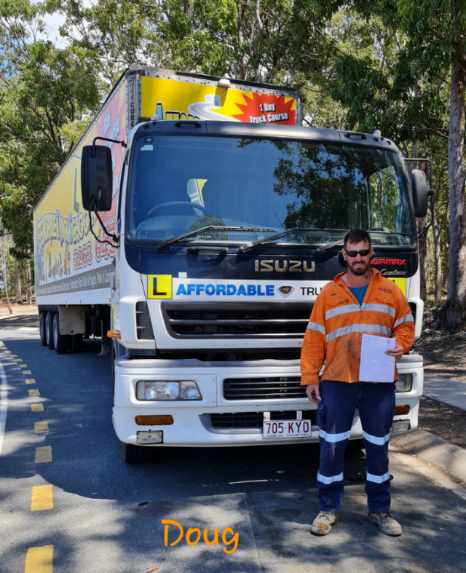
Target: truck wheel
pixel 60 341
pixel 42 333
pixel 49 330
pixel 133 454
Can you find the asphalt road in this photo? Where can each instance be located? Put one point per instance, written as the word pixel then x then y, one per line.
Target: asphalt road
pixel 69 504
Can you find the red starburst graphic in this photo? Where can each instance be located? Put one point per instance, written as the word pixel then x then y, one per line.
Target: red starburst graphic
pixel 262 108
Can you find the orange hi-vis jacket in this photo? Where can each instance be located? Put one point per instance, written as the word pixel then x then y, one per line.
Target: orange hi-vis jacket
pixel 333 335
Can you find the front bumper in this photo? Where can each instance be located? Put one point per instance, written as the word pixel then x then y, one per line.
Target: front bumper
pixel 195 422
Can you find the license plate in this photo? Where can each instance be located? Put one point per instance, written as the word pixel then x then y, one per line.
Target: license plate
pixel 287 429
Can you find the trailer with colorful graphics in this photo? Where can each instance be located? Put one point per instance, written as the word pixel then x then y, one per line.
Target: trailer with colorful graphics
pixel 208 222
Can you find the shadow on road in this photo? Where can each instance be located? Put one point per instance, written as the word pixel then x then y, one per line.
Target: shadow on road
pixel 267 494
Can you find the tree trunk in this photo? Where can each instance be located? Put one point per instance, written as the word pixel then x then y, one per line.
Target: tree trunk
pixel 436 251
pixel 421 237
pixel 5 277
pixel 19 282
pixel 29 281
pixel 422 242
pixel 457 234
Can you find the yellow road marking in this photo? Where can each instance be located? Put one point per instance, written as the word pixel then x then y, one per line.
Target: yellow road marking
pixel 39 559
pixel 30 381
pixel 42 497
pixel 43 455
pixel 41 427
pixel 34 393
pixel 37 407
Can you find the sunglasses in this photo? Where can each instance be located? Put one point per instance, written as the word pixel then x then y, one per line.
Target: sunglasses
pixel 362 252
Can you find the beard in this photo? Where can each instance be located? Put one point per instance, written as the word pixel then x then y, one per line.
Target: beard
pixel 358 269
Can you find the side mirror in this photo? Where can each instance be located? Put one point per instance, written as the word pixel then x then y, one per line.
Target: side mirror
pixel 96 178
pixel 421 190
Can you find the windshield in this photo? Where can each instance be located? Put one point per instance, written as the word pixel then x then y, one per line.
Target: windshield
pixel 258 188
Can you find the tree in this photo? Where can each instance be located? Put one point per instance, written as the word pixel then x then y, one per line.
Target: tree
pixel 392 71
pixel 438 41
pixel 45 95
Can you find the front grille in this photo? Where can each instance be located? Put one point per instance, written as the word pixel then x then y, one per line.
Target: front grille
pixel 239 420
pixel 237 320
pixel 266 388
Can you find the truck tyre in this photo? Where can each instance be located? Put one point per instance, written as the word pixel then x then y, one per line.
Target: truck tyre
pixel 132 454
pixel 49 329
pixel 60 341
pixel 42 333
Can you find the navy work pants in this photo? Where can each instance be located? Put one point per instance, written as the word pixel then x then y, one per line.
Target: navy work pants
pixel 375 403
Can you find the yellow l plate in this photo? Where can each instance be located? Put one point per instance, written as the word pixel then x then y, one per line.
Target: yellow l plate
pixel 159 286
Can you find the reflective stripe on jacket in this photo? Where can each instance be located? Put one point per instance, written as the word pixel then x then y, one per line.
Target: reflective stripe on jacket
pixel 333 335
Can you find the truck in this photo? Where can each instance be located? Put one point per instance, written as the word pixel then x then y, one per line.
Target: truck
pixel 190 230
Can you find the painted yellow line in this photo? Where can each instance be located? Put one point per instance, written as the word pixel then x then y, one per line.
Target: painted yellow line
pixel 42 497
pixel 34 393
pixel 39 559
pixel 37 407
pixel 41 427
pixel 30 381
pixel 43 455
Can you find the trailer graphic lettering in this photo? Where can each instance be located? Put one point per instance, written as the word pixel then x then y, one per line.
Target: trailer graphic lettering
pixel 63 244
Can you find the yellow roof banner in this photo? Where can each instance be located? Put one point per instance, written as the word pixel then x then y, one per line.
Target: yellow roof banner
pixel 171 99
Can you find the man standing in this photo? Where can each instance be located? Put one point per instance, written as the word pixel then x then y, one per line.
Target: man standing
pixel 357 301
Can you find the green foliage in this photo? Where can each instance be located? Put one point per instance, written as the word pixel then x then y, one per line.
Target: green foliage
pixel 358 65
pixel 45 93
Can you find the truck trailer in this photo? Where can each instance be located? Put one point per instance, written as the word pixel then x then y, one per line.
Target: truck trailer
pixel 190 230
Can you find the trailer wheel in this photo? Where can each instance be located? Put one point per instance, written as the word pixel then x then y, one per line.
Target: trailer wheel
pixel 49 330
pixel 132 454
pixel 60 341
pixel 42 333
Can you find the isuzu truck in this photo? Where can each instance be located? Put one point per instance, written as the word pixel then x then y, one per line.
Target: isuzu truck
pixel 193 226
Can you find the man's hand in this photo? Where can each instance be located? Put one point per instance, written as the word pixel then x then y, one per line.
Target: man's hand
pixel 396 352
pixel 313 392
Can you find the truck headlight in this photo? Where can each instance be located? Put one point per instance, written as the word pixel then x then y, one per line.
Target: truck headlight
pixel 167 390
pixel 404 383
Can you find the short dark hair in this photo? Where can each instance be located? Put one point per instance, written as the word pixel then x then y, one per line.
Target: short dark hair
pixel 357 236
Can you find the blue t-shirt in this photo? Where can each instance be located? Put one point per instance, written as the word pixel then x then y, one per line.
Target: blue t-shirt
pixel 359 292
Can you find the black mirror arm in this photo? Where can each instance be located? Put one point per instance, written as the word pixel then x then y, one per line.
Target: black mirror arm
pixel 121 142
pixel 111 235
pixel 114 238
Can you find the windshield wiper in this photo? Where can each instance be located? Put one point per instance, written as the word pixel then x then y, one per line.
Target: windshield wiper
pixel 273 239
pixel 194 232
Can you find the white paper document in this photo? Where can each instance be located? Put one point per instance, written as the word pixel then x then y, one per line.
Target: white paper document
pixel 375 365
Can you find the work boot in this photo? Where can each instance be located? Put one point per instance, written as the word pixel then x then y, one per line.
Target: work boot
pixel 322 524
pixel 386 523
